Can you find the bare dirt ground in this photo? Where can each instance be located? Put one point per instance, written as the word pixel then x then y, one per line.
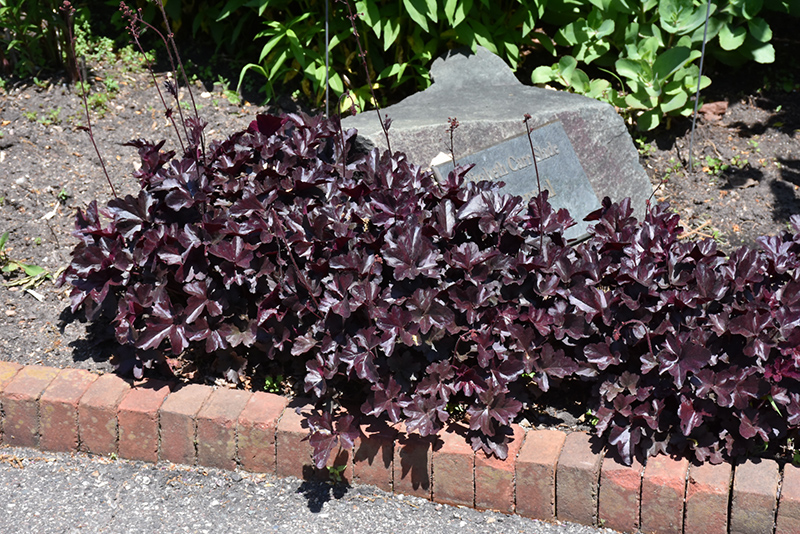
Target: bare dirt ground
pixel 746 182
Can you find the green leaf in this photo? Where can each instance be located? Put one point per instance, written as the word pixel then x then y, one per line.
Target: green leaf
pixel 391 29
pixel 528 23
pixel 3 240
pixel 371 15
pixel 599 89
pixel 760 30
pixel 670 61
pixel 32 270
pixel 572 34
pixel 254 66
pixel 680 16
pixel 579 81
pixel 417 10
pixel 648 120
pixel 545 42
pixel 450 11
pixel 589 53
pixel 762 53
pixel 483 36
pixel 751 8
pixel 466 36
pixel 629 68
pixel 433 9
pixel 277 64
pixel 462 11
pixel 512 52
pixel 543 74
pixel 731 38
pixel 566 66
pixel 336 83
pixel 229 8
pixel 674 103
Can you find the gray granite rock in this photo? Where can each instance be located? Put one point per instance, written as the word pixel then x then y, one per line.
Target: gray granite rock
pixel 489 102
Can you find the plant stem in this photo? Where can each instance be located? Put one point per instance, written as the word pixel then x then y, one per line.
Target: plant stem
pixel 68 10
pixel 385 121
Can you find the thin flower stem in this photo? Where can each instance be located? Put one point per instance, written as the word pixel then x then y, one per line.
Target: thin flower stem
pixel 385 121
pixel 135 18
pixel 69 11
pixel 538 183
pixel 171 37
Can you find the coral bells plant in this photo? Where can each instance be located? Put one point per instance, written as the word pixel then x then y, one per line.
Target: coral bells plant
pixel 387 293
pixel 399 296
pixel 402 297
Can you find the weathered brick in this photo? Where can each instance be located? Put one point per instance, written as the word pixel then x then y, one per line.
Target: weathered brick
pixel 20 400
pixel 453 466
pixel 178 422
pixel 97 414
pixel 412 465
pixel 707 496
pixel 138 421
pixel 256 429
pixel 577 479
pixel 374 453
pixel 663 491
pixel 789 507
pixel 8 370
pixel 294 456
pixel 494 478
pixel 216 428
pixel 58 410
pixel 620 491
pixel 536 473
pixel 755 490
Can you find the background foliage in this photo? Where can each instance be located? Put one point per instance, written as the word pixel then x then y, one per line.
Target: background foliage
pixel 643 57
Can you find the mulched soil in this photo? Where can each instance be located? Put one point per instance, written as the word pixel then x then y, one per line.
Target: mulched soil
pixel 746 184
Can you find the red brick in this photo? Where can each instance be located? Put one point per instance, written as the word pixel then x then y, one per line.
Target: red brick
pixel 412 465
pixel 707 495
pixel 97 414
pixel 789 507
pixel 256 429
pixel 755 489
pixel 178 422
pixel 293 456
pixel 577 479
pixel 663 491
pixel 536 473
pixel 138 421
pixel 494 478
pixel 216 427
pixel 453 466
pixel 620 489
pixel 58 410
pixel 8 371
pixel 374 452
pixel 20 399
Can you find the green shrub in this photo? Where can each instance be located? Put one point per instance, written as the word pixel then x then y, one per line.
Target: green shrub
pixel 35 37
pixel 401 40
pixel 646 53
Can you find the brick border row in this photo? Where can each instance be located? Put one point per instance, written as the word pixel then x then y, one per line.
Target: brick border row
pixel 550 475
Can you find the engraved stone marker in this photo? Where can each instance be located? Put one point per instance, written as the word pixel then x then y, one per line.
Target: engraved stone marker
pixel 560 172
pixel 482 92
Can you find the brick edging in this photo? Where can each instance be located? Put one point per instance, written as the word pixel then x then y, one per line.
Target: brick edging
pixel 549 475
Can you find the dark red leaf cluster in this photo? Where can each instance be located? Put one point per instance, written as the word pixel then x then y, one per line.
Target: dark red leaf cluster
pixel 401 296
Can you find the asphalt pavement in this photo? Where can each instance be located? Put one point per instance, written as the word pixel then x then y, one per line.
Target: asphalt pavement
pixel 46 493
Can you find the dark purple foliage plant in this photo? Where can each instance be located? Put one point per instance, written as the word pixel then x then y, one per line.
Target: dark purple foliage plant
pixel 388 293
